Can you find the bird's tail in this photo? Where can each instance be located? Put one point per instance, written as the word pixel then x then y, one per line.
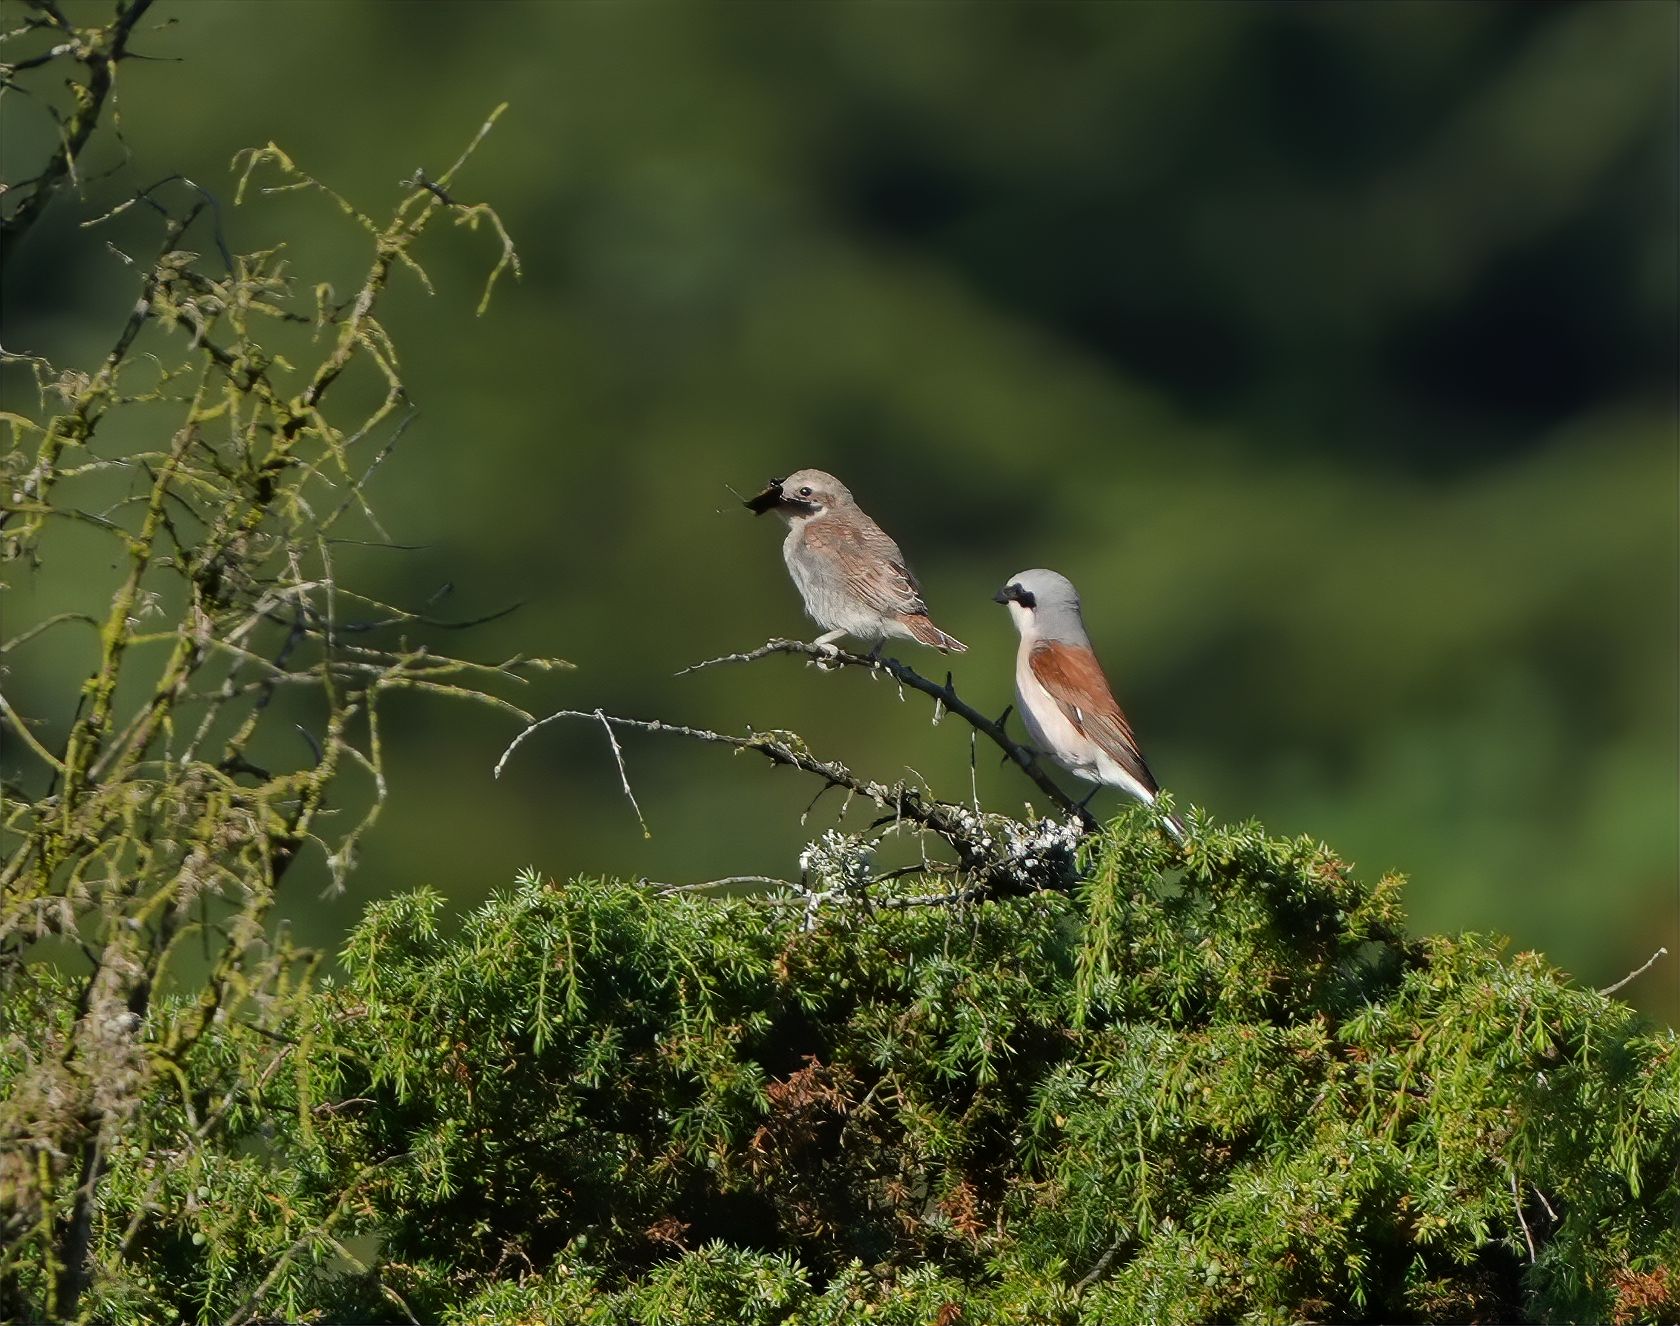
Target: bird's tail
pixel 925 631
pixel 1169 821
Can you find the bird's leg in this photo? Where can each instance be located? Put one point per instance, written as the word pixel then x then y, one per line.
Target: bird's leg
pixel 1087 801
pixel 826 647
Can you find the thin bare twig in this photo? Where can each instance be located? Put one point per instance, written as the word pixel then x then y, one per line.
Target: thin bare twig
pixel 360 482
pixel 1516 1200
pixel 806 896
pixel 986 846
pixel 1095 1273
pixel 776 747
pixel 1637 972
pixel 945 698
pixel 101 59
pixel 662 889
pixel 955 898
pixel 623 777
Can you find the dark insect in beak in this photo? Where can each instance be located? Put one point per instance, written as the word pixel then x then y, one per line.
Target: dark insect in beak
pixel 767 500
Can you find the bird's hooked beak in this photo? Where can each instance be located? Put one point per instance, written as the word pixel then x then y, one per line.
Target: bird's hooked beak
pixel 1013 593
pixel 768 500
pixel 1002 596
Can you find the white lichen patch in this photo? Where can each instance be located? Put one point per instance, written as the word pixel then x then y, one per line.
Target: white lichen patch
pixel 838 861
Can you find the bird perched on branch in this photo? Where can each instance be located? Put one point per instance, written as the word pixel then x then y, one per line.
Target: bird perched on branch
pixel 1065 699
pixel 851 575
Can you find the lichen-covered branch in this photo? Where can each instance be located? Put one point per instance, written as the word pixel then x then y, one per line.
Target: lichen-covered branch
pixel 144 824
pixel 944 696
pixel 994 851
pixel 98 51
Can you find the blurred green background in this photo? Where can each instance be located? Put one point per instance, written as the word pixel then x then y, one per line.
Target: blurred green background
pixel 1329 349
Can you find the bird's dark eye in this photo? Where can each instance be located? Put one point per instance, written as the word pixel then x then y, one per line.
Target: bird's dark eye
pixel 805 492
pixel 1025 598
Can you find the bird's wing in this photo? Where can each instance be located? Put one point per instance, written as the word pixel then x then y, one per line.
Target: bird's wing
pixel 869 562
pixel 1074 680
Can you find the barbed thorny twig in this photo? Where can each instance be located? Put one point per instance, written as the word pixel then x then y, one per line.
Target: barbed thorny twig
pixel 944 696
pixel 996 852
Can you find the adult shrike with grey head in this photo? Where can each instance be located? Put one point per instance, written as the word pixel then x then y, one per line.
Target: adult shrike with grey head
pixel 1064 697
pixel 851 575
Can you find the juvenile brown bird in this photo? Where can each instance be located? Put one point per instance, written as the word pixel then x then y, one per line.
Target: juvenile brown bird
pixel 851 575
pixel 1065 700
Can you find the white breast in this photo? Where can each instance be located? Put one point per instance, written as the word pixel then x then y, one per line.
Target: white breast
pixel 1049 727
pixel 1054 733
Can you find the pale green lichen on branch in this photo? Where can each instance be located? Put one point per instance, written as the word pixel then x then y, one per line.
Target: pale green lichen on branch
pixel 146 823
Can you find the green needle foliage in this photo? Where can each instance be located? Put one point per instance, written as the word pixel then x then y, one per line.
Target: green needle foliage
pixel 1216 1086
